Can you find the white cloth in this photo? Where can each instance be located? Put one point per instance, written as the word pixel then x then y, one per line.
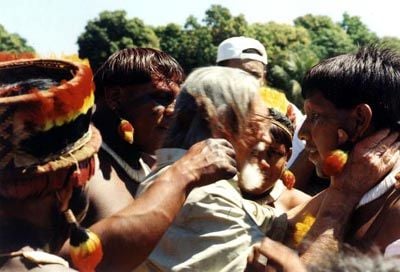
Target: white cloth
pixel 297 144
pixel 393 249
pixel 379 189
pixel 213 231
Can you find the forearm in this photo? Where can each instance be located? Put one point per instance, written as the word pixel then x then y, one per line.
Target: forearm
pixel 129 236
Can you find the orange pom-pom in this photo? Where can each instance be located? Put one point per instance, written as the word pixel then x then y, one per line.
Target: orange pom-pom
pixel 126 131
pixel 288 179
pixel 334 162
pixel 86 250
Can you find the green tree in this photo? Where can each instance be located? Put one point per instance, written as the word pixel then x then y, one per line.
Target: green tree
pixel 223 25
pixel 357 30
pixel 113 31
pixel 289 56
pixel 391 42
pixel 195 44
pixel 11 42
pixel 328 38
pixel 191 45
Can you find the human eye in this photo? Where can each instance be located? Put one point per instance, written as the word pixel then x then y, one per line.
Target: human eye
pixel 275 153
pixel 313 116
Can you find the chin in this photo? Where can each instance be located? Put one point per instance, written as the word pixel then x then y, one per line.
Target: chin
pixel 251 180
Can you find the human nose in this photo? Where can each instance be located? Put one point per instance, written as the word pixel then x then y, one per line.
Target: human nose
pixel 304 130
pixel 264 165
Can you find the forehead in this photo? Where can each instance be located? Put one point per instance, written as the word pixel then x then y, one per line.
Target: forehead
pixel 159 86
pixel 261 114
pixel 318 102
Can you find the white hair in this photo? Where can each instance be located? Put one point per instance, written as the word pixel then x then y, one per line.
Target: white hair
pixel 208 96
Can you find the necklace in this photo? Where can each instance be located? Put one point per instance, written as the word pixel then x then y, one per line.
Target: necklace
pixel 135 175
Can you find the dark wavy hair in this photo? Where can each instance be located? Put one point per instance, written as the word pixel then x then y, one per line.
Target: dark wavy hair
pixel 370 76
pixel 132 66
pixel 278 134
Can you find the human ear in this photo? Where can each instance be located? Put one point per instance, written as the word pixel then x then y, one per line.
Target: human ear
pixel 362 115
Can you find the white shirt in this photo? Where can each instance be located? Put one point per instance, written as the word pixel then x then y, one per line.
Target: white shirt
pixel 214 230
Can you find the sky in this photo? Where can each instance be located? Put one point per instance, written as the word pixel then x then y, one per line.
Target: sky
pixel 53 26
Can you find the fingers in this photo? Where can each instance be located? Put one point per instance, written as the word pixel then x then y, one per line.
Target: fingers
pixel 277 254
pixel 386 147
pixel 373 140
pixel 391 154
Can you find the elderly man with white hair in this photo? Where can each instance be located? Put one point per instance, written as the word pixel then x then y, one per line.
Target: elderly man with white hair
pixel 216 228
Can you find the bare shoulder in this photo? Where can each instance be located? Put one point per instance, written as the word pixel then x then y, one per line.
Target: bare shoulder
pixel 292 198
pixel 107 195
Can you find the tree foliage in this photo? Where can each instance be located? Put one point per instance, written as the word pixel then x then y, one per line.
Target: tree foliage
pixel 289 56
pixel 357 30
pixel 223 25
pixel 391 42
pixel 11 42
pixel 292 49
pixel 328 38
pixel 111 32
pixel 195 44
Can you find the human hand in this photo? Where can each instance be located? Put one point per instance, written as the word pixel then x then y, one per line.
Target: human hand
pixel 280 258
pixel 369 161
pixel 208 161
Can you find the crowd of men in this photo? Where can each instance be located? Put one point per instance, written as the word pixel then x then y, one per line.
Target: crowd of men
pixel 196 173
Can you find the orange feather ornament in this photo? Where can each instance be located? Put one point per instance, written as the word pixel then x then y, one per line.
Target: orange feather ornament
pixel 126 131
pixel 288 179
pixel 86 249
pixel 334 162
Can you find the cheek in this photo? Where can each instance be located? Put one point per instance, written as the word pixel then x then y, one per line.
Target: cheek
pixel 325 140
pixel 278 168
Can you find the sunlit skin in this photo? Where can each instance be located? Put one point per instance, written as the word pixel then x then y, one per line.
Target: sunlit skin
pixel 271 161
pixel 260 125
pixel 149 107
pixel 320 128
pixel 253 67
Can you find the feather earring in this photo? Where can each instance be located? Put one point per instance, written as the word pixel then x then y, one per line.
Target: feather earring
pixel 288 179
pixel 126 131
pixel 86 249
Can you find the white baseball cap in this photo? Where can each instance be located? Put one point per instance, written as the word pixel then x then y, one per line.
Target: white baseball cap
pixel 236 47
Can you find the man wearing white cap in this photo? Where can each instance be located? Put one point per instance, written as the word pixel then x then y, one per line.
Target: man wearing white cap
pixel 244 53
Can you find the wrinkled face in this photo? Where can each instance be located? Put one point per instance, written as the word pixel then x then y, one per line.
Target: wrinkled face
pixel 149 107
pixel 320 128
pixel 264 167
pixel 253 67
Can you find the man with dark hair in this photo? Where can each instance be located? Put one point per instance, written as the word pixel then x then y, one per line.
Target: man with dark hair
pixel 135 96
pixel 347 98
